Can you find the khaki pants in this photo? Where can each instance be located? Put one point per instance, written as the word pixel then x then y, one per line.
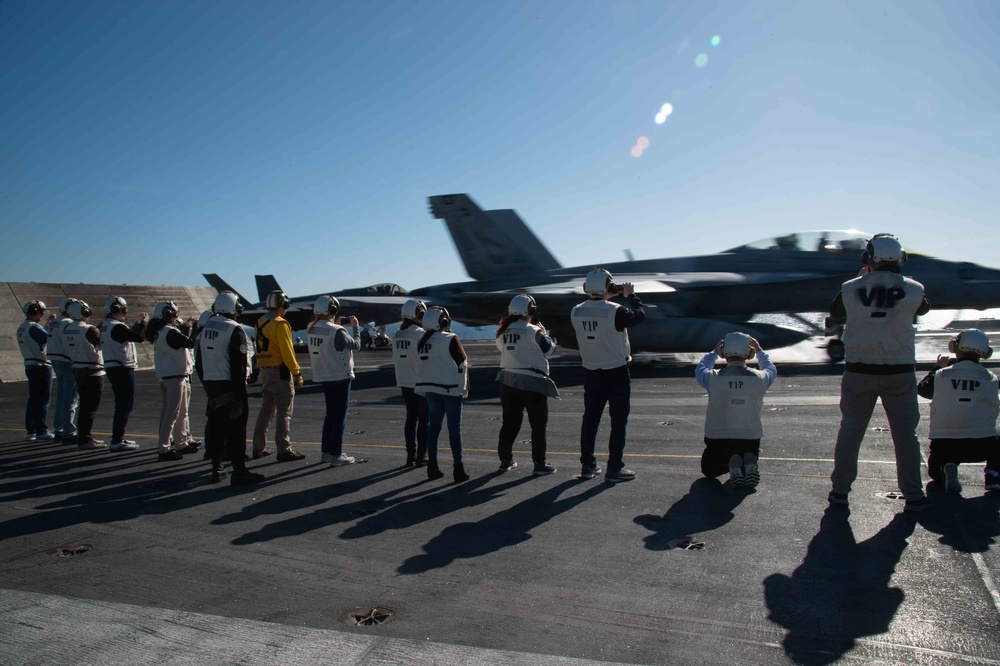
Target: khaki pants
pixel 278 395
pixel 174 425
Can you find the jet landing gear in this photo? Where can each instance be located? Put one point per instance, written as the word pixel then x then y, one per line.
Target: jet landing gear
pixel 835 348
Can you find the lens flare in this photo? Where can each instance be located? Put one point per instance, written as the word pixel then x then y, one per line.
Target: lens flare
pixel 701 60
pixel 716 40
pixel 642 143
pixel 665 111
pixel 636 152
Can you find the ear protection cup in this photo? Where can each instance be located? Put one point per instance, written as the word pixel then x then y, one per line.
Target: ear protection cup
pixel 971 340
pixel 115 305
pixel 326 305
pixel 599 282
pixel 166 310
pixel 79 310
pixel 437 319
pixel 884 247
pixel 522 305
pixel 413 309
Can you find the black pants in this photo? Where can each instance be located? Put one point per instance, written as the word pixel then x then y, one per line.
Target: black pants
pixel 226 426
pixel 90 388
pixel 613 389
pixel 944 451
pixel 715 457
pixel 415 425
pixel 39 392
pixel 515 402
pixel 123 384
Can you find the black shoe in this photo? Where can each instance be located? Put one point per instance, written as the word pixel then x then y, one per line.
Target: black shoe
pixel 289 456
pixel 187 450
pixel 460 475
pixel 170 455
pixel 196 443
pixel 245 478
pixel 218 475
pixel 433 471
pixel 411 460
pixel 421 461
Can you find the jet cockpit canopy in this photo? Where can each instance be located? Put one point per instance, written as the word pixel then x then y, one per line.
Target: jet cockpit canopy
pixel 827 240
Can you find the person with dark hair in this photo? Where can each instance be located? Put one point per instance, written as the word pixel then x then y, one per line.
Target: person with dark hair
pixel 32 338
pixel 524 380
pixel 964 408
pixel 442 378
pixel 120 362
pixel 404 360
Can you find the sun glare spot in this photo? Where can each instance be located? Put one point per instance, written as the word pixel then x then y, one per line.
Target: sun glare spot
pixel 701 60
pixel 716 40
pixel 642 143
pixel 636 152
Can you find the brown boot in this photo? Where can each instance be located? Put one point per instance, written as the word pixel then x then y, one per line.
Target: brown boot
pixel 460 474
pixel 433 471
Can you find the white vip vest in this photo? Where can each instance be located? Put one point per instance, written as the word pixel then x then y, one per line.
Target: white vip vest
pixel 170 363
pixel 213 345
pixel 601 346
pixel 519 352
pixel 116 354
pixel 965 404
pixel 404 355
pixel 736 399
pixel 880 311
pixel 436 369
pixel 32 353
pixel 56 348
pixel 328 364
pixel 79 349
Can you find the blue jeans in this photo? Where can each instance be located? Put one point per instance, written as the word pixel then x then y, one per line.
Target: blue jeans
pixel 612 388
pixel 437 406
pixel 415 425
pixel 39 390
pixel 67 400
pixel 337 394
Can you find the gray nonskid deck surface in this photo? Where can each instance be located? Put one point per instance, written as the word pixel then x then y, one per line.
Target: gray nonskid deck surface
pixel 506 568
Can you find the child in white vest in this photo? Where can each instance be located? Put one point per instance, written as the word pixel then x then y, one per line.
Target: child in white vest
pixel 735 400
pixel 964 409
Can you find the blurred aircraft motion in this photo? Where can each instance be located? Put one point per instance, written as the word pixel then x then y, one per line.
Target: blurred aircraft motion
pixel 379 303
pixel 691 302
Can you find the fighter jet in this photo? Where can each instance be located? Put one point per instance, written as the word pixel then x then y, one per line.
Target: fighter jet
pixel 691 302
pixel 379 303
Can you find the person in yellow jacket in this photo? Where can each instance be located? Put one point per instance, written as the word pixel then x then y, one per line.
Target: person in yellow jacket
pixel 280 376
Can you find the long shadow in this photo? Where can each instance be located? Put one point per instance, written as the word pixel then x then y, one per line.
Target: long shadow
pixel 430 497
pixel 841 590
pixel 966 524
pixel 708 505
pixel 500 530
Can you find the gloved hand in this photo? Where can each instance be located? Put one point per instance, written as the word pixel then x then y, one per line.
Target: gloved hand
pixel 297 379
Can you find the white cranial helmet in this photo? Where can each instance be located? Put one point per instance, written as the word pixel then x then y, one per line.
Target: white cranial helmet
pixel 522 305
pixel 737 344
pixel 203 318
pixel 226 302
pixel 599 282
pixel 325 305
pixel 115 304
pixel 79 310
pixel 972 340
pixel 33 307
pixel 165 310
pixel 436 319
pixel 413 309
pixel 64 304
pixel 885 248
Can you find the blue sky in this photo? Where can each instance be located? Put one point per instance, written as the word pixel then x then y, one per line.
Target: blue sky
pixel 149 142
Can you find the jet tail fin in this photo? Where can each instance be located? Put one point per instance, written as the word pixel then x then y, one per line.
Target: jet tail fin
pixel 221 285
pixel 265 285
pixel 493 245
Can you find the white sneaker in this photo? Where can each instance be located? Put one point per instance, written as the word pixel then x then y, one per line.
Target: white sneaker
pixel 750 469
pixel 124 445
pixel 341 460
pixel 30 437
pixel 327 458
pixel 45 437
pixel 952 486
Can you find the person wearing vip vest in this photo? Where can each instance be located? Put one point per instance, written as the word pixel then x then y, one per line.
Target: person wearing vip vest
pixel 32 339
pixel 83 346
pixel 881 307
pixel 964 409
pixel 223 360
pixel 173 361
pixel 280 376
pixel 404 359
pixel 67 400
pixel 120 361
pixel 524 380
pixel 443 379
pixel 331 350
pixel 733 426
pixel 601 334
